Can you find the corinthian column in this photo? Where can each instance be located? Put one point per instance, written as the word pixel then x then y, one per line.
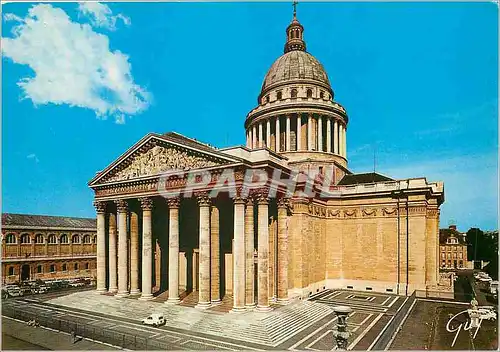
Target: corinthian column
pixel 309 132
pixel 282 251
pixel 173 250
pixel 204 247
pixel 268 133
pixel 263 256
pixel 134 253
pixel 215 257
pixel 260 135
pixel 254 137
pixel 328 134
pixel 345 142
pixel 299 131
pixel 239 255
pixel 101 246
pixel 122 208
pixel 113 268
pixel 277 133
pixel 341 140
pixel 336 137
pixel 320 133
pixel 249 248
pixel 147 249
pixel 288 133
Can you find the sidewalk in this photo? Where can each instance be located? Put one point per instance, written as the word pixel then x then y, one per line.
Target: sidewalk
pixel 47 338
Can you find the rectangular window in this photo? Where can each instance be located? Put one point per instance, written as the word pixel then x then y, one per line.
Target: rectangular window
pixel 368 288
pixel 349 287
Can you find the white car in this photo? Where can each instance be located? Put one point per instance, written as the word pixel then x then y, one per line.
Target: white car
pixel 154 319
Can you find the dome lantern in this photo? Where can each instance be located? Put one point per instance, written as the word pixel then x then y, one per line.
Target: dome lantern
pixel 294 34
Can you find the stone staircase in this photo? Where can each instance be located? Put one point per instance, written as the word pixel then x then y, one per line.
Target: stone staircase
pixel 268 329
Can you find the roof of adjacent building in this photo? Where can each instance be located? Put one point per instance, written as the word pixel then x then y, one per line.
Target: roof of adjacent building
pixel 354 179
pixel 30 220
pixel 444 234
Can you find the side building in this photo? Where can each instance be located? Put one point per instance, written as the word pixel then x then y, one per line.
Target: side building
pixel 47 247
pixel 453 249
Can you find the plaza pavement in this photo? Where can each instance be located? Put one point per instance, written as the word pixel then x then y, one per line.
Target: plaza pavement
pixel 300 325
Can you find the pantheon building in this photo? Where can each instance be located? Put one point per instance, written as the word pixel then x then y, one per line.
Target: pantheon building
pixel 278 219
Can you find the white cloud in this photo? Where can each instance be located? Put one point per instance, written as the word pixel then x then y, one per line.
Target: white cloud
pixel 73 65
pixel 100 15
pixel 33 156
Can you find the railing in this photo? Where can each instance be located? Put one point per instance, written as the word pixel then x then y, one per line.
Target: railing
pixel 124 340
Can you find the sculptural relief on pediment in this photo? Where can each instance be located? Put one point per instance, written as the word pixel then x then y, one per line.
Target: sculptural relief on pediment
pixel 160 159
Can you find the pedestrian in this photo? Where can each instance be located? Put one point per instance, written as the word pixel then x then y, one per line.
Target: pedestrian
pixel 73 336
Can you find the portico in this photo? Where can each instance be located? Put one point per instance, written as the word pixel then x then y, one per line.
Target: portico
pixel 180 219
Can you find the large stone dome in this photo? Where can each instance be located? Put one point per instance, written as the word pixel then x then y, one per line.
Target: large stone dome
pixel 295 65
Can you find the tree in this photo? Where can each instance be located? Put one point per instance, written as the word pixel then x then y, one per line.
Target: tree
pixel 482 245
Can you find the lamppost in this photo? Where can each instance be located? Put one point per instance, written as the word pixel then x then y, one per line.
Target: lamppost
pixel 340 332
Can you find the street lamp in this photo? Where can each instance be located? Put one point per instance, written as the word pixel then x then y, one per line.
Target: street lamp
pixel 340 332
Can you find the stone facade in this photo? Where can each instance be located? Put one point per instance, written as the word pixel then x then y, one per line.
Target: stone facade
pixel 452 249
pixel 280 218
pixel 47 247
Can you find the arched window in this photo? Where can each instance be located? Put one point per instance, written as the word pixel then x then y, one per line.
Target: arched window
pixel 39 269
pixel 64 238
pixel 309 93
pixel 75 239
pixel 75 267
pixel 86 239
pixel 11 270
pixel 52 239
pixel 294 93
pixel 25 238
pixel 267 98
pixel 94 239
pixel 87 266
pixel 64 267
pixel 52 268
pixel 39 238
pixel 322 95
pixel 10 238
pixel 279 95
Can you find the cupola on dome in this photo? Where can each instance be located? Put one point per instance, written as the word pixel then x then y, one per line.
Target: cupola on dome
pixel 295 64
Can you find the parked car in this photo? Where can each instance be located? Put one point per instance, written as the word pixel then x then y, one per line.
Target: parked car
pixel 155 319
pixel 15 292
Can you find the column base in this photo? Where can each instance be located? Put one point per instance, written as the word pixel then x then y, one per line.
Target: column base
pixel 250 306
pixel 113 290
pixel 283 301
pixel 122 294
pixel 216 302
pixel 263 308
pixel 101 291
pixel 203 305
pixel 135 292
pixel 146 297
pixel 173 300
pixel 238 310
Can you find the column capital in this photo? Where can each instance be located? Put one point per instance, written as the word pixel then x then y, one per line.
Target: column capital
pixel 283 202
pixel 203 199
pixel 121 205
pixel 146 203
pixel 262 196
pixel 174 202
pixel 100 207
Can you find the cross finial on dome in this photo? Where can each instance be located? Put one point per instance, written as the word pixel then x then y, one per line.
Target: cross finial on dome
pixel 294 32
pixel 294 4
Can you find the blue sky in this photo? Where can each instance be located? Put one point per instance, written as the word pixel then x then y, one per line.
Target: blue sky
pixel 419 82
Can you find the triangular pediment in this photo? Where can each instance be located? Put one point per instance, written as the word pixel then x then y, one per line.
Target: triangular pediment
pixel 157 154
